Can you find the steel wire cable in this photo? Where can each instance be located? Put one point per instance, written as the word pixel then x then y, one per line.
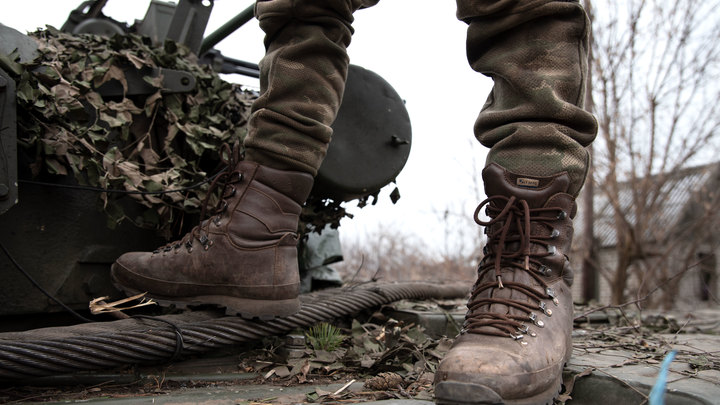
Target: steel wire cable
pixel 78 359
pixel 161 342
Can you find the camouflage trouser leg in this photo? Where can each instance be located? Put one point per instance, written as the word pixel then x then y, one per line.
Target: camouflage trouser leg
pixel 536 52
pixel 302 79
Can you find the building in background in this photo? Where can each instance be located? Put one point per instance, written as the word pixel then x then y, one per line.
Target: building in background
pixel 656 240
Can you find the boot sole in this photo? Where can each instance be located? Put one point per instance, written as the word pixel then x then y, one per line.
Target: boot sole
pixel 245 307
pixel 458 393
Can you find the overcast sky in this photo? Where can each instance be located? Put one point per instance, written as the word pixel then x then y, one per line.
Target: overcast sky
pixel 420 51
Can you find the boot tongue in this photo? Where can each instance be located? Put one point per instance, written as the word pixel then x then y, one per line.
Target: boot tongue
pixel 536 190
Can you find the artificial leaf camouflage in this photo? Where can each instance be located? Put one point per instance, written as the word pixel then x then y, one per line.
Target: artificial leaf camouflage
pixel 148 143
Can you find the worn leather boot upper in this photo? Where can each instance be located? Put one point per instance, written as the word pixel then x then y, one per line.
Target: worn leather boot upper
pixel 517 332
pixel 244 258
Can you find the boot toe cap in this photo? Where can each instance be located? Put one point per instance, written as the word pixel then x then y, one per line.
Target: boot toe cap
pixel 125 271
pixel 497 368
pixel 454 392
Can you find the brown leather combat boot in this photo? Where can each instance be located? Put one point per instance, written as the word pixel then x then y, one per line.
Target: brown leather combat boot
pixel 243 259
pixel 517 332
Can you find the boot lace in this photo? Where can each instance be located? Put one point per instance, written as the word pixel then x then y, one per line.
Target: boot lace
pixel 519 237
pixel 229 157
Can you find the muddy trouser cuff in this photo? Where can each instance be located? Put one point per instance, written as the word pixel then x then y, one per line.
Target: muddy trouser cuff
pixel 537 54
pixel 302 80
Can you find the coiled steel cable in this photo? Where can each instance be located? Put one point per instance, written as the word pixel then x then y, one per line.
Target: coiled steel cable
pixel 152 342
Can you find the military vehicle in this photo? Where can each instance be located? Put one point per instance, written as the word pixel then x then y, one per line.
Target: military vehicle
pixel 54 237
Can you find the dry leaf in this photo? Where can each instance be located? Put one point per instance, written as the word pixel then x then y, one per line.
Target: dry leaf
pixel 98 306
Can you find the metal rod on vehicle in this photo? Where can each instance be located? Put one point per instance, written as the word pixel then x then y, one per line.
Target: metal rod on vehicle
pixel 228 28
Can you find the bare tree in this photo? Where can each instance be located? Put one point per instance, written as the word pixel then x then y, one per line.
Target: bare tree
pixel 389 254
pixel 656 91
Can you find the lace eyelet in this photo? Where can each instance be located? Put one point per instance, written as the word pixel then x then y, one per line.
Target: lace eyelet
pixel 526 330
pixel 543 307
pixel 552 250
pixel 534 319
pixel 551 293
pixel 205 242
pixel 554 234
pixel 562 215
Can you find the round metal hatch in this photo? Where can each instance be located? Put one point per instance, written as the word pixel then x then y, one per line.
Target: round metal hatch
pixel 371 139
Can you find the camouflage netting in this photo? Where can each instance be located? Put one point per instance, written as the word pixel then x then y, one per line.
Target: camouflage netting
pixel 149 143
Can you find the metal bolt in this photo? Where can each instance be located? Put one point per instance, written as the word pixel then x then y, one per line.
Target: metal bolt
pixel 294 347
pixel 295 340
